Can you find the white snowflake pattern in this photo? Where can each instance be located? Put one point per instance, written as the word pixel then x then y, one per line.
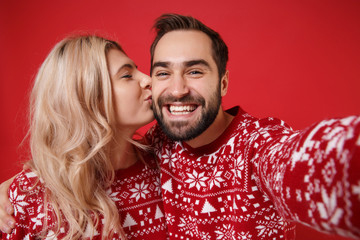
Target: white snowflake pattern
pixel 18 201
pixel 244 236
pixel 205 236
pixel 328 208
pixel 38 220
pixel 215 178
pixel 196 180
pixel 112 195
pixel 169 158
pixel 329 172
pixel 239 165
pixel 226 232
pixel 269 226
pixel 157 186
pixel 170 219
pixel 189 225
pixel 140 190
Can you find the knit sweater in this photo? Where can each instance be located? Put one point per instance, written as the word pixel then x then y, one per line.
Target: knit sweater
pixel 136 192
pixel 259 177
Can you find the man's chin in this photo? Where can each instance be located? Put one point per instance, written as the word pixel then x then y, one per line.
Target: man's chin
pixel 176 133
pixel 182 131
pixel 178 136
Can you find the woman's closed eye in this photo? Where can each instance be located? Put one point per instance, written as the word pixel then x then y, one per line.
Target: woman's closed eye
pixel 126 76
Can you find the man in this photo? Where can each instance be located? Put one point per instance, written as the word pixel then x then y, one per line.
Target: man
pixel 228 175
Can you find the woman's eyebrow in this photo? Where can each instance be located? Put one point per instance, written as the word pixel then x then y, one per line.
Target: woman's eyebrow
pixel 126 65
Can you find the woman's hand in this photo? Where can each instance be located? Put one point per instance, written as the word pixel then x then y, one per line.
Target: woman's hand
pixel 7 222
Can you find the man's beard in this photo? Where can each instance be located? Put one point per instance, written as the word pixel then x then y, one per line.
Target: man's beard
pixel 182 130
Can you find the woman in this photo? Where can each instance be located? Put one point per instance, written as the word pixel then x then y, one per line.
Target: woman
pixel 88 178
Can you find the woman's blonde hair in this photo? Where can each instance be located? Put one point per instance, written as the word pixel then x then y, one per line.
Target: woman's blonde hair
pixel 71 127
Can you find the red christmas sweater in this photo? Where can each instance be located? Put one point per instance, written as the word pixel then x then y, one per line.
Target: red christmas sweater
pixel 259 177
pixel 136 192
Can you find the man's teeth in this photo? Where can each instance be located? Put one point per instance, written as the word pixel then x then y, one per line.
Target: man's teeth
pixel 178 110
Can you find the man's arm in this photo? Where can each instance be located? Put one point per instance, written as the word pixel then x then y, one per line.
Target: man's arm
pixel 7 222
pixel 312 176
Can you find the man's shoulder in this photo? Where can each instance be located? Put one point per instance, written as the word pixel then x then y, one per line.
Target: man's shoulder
pixel 244 123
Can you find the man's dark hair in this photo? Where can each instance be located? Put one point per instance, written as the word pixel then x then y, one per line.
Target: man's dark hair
pixel 171 22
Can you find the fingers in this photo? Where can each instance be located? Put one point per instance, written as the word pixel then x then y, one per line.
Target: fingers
pixel 7 222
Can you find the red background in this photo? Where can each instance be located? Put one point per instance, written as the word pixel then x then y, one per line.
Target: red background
pixel 296 60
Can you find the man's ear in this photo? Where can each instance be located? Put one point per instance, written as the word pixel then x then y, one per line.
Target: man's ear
pixel 224 83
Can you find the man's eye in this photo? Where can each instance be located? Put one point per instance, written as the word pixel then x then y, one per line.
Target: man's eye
pixel 161 74
pixel 195 72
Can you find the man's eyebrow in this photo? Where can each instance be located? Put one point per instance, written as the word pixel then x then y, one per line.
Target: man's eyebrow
pixel 186 64
pixel 161 64
pixel 197 62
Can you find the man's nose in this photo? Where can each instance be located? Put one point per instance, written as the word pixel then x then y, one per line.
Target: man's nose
pixel 178 87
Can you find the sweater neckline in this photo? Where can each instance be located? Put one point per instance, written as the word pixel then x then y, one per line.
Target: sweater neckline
pixel 130 171
pixel 237 112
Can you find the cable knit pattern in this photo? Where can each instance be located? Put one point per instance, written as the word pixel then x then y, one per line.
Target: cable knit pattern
pixel 136 192
pixel 259 176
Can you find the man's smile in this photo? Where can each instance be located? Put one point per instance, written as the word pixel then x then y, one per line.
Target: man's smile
pixel 182 109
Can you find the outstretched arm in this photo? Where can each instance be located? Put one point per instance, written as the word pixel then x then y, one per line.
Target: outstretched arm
pixel 312 175
pixel 7 222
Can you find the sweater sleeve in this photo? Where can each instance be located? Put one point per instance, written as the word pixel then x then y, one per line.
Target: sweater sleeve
pixel 25 199
pixel 312 176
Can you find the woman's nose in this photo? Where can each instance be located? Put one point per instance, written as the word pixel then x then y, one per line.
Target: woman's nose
pixel 145 81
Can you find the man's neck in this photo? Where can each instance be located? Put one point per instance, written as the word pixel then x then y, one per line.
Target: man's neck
pixel 214 131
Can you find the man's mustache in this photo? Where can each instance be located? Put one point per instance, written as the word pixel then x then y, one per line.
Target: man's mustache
pixel 185 99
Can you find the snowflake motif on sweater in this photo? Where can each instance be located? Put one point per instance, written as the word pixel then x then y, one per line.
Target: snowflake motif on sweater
pixel 135 191
pixel 258 176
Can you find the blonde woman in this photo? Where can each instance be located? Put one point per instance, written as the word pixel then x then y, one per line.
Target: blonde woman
pixel 88 178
